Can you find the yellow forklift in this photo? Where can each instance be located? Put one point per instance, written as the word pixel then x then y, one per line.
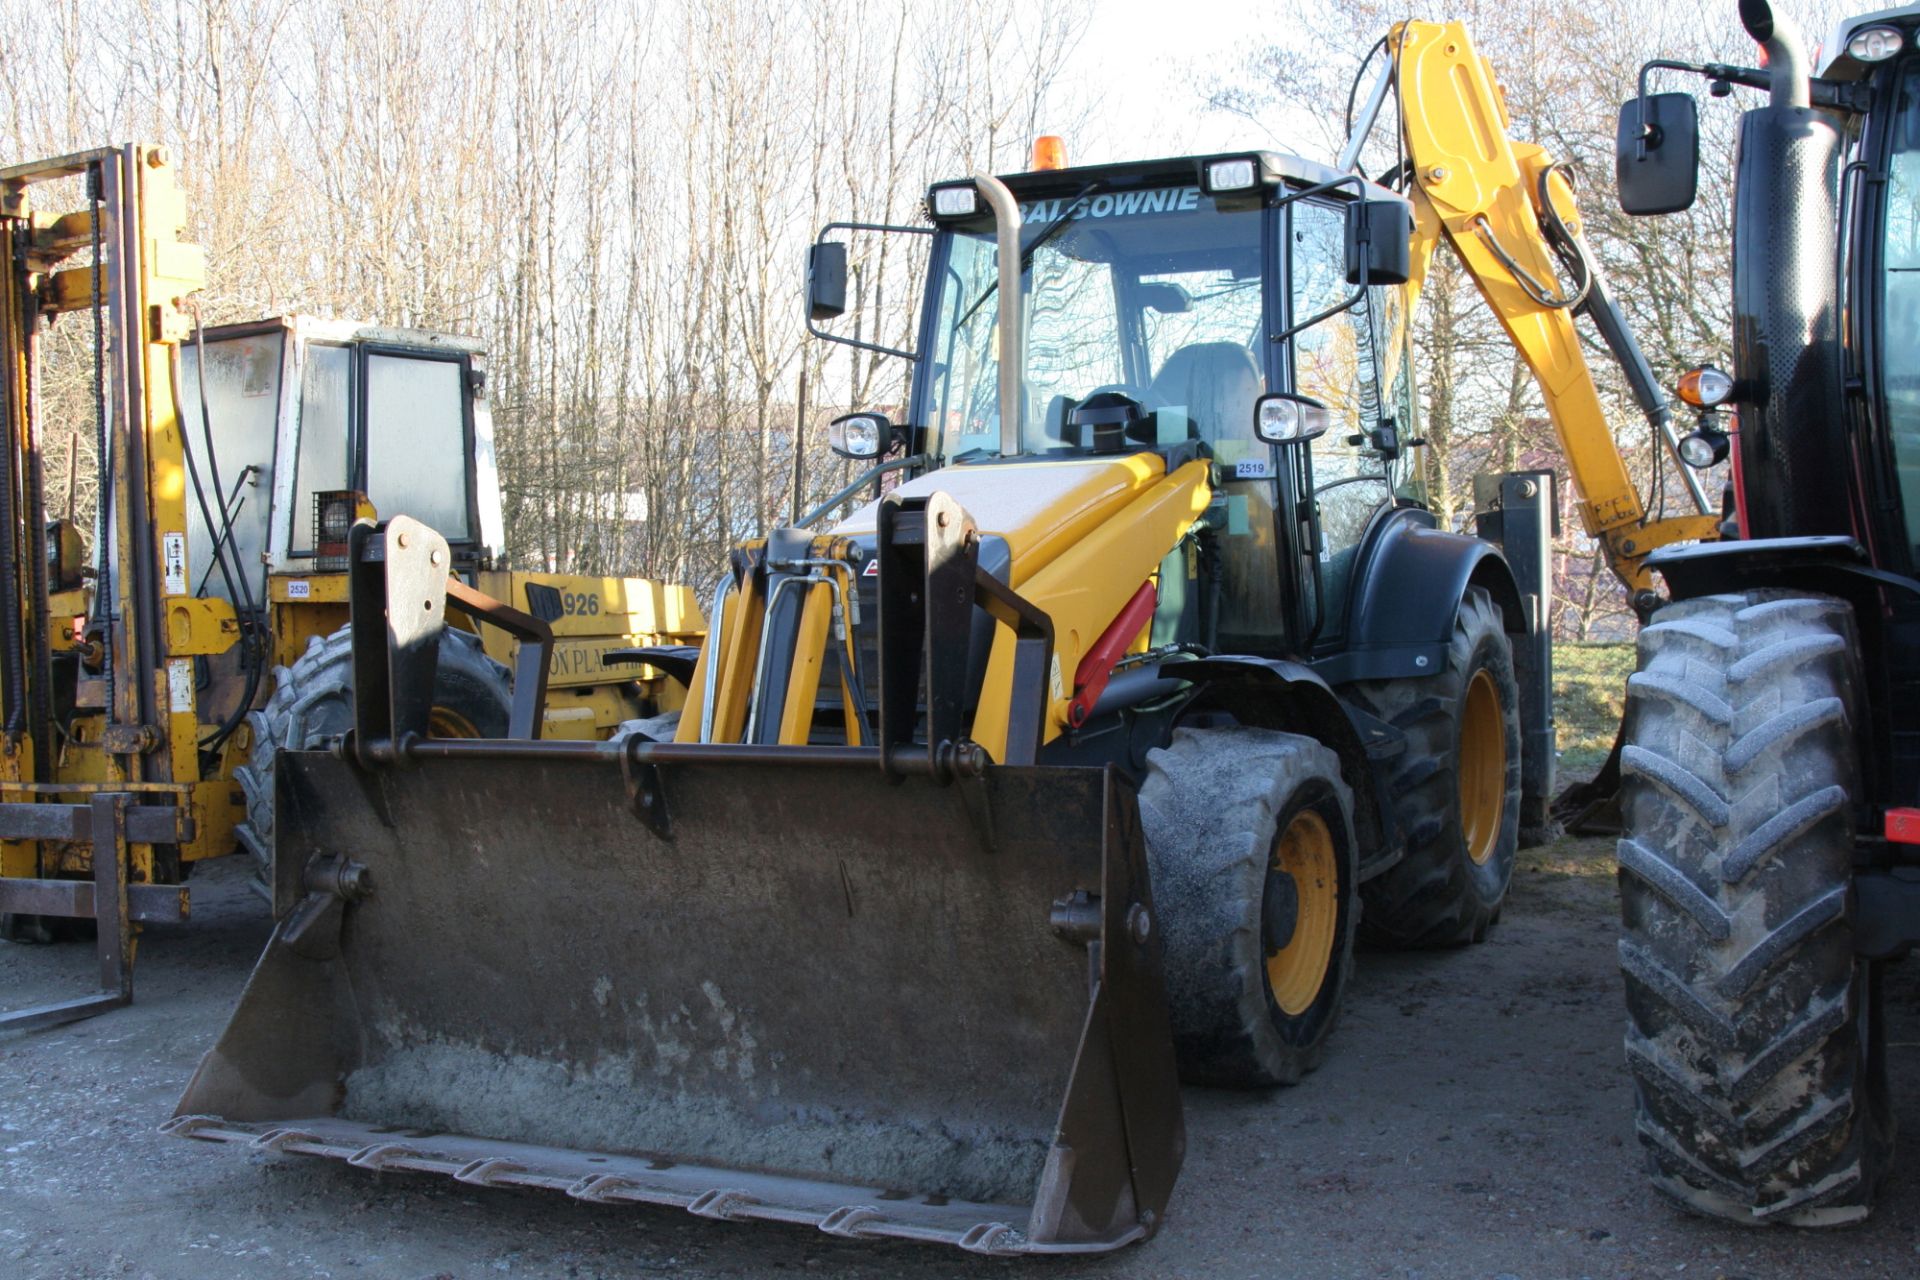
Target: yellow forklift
pixel 152 665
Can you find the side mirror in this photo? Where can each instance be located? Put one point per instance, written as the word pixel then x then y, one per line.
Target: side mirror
pixel 860 435
pixel 1284 418
pixel 1656 153
pixel 1379 236
pixel 826 280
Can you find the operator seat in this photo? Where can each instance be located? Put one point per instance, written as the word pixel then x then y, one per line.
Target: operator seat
pixel 1217 383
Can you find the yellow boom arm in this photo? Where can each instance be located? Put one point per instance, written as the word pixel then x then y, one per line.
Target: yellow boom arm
pixel 1501 204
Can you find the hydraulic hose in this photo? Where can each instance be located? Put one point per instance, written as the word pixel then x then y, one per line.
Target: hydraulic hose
pixel 239 590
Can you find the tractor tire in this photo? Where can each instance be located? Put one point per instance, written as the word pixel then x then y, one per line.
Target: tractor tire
pixel 1250 843
pixel 1753 1030
pixel 313 701
pixel 1455 789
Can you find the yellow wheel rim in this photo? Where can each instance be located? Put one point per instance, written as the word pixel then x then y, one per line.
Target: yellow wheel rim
pixel 1298 970
pixel 1483 768
pixel 444 722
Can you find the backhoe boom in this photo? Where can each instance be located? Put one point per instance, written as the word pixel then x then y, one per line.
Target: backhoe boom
pixel 1508 213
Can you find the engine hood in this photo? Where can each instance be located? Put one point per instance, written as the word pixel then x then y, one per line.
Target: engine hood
pixel 1039 508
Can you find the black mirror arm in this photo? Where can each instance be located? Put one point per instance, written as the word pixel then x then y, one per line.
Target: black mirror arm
pixel 885 228
pixel 1359 293
pixel 1649 135
pixel 1851 97
pixel 822 334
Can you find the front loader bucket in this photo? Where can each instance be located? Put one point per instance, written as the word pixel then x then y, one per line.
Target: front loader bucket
pixel 789 989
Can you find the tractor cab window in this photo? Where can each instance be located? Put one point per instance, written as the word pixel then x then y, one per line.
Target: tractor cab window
pixel 1159 295
pixel 1900 260
pixel 230 443
pixel 1338 362
pixel 1153 293
pixel 322 462
pixel 416 442
pixel 390 424
pixel 1072 319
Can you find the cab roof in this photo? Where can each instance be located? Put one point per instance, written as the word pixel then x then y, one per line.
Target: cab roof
pixel 1296 171
pixel 1833 62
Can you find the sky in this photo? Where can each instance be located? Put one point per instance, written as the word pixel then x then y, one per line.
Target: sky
pixel 1144 62
pixel 1152 105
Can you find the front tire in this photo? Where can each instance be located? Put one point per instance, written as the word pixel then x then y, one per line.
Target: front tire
pixel 1753 1030
pixel 1250 845
pixel 1455 788
pixel 313 701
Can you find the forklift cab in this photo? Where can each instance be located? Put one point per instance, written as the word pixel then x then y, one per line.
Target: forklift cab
pixel 296 408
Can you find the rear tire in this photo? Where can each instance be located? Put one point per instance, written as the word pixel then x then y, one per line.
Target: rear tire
pixel 313 701
pixel 1222 809
pixel 1753 1030
pixel 1455 788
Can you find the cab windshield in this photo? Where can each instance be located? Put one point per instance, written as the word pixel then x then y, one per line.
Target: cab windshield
pixel 1151 292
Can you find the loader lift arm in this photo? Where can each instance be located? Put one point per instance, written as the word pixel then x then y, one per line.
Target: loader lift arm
pixel 1509 215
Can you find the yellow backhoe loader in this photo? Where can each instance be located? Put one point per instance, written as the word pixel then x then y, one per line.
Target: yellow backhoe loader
pixel 151 667
pixel 1054 774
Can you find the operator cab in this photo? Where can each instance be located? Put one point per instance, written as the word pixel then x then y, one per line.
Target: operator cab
pixel 1161 300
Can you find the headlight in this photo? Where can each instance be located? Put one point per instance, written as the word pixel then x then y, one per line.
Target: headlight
pixel 859 435
pixel 1874 44
pixel 1285 419
pixel 960 200
pixel 1231 175
pixel 1705 387
pixel 334 511
pixel 1704 448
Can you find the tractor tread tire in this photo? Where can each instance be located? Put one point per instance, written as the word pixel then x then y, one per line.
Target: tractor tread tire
pixel 313 700
pixel 1436 896
pixel 1210 810
pixel 1752 1032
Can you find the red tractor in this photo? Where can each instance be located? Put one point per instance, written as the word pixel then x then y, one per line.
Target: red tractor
pixel 1770 862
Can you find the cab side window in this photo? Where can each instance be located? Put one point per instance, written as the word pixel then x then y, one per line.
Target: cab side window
pixel 1337 362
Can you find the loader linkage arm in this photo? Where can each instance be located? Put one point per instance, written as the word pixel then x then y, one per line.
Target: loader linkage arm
pixel 399 587
pixel 930 581
pixel 1509 215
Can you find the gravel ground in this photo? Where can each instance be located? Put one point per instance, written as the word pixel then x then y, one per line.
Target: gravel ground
pixel 1472 1120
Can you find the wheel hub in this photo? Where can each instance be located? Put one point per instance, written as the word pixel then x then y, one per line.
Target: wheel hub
pixel 1279 911
pixel 1300 912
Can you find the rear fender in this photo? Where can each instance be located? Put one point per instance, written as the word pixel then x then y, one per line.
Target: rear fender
pixel 1411 580
pixel 1408 587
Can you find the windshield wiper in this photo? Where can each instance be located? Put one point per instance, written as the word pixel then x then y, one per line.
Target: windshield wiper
pixel 1026 255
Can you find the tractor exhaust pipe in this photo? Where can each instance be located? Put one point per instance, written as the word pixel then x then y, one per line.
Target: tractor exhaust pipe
pixel 1786 53
pixel 1006 229
pixel 1786 299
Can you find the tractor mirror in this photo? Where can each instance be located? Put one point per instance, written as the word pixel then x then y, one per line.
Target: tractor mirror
pixel 1656 153
pixel 1379 233
pixel 826 280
